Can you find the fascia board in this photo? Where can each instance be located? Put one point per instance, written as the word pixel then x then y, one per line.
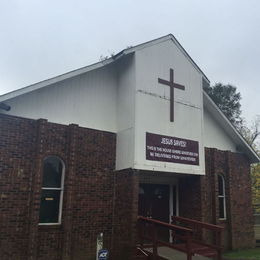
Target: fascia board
pixel 229 128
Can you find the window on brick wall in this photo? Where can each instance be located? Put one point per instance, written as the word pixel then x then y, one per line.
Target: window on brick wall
pixel 52 191
pixel 221 197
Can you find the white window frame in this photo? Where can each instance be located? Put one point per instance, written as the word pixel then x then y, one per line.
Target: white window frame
pixel 61 189
pixel 222 196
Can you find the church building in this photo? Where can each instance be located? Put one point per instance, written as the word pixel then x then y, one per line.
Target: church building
pixel 89 151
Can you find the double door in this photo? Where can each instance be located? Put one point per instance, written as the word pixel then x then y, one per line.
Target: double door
pixel 154 202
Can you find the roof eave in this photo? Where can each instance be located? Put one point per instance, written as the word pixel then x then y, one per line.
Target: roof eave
pixel 97 65
pixel 230 129
pixel 59 78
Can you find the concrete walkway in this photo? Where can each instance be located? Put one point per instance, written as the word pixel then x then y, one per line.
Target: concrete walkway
pixel 172 254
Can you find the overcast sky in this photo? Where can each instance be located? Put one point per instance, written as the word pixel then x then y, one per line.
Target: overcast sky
pixel 40 39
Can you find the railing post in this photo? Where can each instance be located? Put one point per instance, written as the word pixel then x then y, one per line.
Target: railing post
pixel 218 242
pixel 140 231
pixel 188 246
pixel 155 252
pixel 172 232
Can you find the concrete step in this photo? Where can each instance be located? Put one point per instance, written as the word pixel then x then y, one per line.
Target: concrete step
pixel 171 254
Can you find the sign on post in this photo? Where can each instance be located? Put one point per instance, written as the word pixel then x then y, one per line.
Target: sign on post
pixel 103 254
pixel 99 244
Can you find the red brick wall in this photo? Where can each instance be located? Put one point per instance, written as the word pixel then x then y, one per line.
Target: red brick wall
pixel 241 216
pixel 201 201
pixel 216 163
pixel 190 197
pixel 96 198
pixel 17 153
pixel 126 208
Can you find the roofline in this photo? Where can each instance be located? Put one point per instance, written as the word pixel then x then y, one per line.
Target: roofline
pixel 162 39
pixel 55 79
pixel 186 53
pixel 97 65
pixel 253 156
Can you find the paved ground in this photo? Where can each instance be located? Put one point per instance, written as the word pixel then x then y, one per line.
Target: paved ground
pixel 172 254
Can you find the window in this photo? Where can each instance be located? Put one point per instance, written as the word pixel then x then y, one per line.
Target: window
pixel 221 197
pixel 52 191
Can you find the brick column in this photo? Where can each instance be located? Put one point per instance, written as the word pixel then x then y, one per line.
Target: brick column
pixel 241 212
pixel 69 193
pixel 126 209
pixel 135 195
pixel 229 195
pixel 35 191
pixel 213 176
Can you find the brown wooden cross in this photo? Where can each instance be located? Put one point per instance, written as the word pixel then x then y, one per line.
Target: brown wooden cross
pixel 172 85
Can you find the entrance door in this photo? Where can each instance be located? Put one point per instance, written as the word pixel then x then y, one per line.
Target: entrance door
pixel 154 203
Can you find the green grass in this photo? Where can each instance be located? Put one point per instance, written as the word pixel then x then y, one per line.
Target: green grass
pixel 244 254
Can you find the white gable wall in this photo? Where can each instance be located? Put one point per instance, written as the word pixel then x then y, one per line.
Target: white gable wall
pixel 153 105
pixel 88 100
pixel 215 136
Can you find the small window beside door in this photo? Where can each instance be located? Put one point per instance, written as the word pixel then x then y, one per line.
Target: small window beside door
pixel 51 191
pixel 221 197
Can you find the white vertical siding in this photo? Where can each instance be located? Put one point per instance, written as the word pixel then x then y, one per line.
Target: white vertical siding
pixel 215 136
pixel 88 100
pixel 153 105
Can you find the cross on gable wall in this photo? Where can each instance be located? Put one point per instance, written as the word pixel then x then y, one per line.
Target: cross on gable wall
pixel 172 85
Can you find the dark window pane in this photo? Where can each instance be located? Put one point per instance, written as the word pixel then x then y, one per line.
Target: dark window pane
pixel 52 172
pixel 220 185
pixel 221 208
pixel 49 209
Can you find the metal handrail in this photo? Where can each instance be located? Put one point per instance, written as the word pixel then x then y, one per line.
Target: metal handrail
pixel 153 224
pixel 198 225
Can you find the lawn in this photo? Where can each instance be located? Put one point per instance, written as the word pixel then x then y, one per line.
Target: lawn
pixel 248 254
